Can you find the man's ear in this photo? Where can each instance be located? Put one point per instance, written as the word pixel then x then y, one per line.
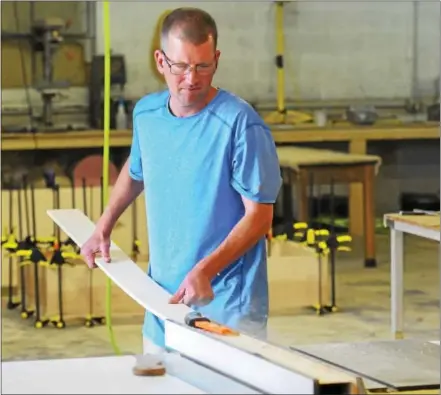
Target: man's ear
pixel 159 60
pixel 216 57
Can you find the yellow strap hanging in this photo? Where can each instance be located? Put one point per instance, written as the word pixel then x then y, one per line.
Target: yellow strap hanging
pixel 106 144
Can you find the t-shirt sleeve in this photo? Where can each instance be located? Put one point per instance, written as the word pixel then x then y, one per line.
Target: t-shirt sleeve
pixel 135 163
pixel 255 165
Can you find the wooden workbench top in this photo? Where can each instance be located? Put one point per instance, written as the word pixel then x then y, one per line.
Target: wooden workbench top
pixel 295 157
pixel 431 222
pixel 347 132
pixel 281 134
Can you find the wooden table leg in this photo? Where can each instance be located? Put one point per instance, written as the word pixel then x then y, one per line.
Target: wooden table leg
pixel 287 201
pixel 356 220
pixel 302 196
pixel 369 216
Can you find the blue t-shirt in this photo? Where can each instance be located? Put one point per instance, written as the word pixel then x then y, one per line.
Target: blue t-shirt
pixel 195 170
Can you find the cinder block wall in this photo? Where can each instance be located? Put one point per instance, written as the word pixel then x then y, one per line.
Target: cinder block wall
pixel 334 49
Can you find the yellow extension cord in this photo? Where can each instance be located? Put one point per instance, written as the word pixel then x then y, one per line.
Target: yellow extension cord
pixel 106 144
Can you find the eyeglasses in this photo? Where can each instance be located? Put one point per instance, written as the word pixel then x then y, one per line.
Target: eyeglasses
pixel 184 68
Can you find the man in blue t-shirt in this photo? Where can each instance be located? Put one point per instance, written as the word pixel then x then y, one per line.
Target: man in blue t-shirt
pixel 209 169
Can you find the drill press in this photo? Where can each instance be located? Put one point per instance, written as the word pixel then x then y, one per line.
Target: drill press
pixel 46 38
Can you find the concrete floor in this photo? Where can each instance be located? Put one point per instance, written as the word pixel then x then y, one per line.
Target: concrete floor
pixel 363 300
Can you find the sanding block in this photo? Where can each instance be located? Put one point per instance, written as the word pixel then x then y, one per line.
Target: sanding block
pixel 149 365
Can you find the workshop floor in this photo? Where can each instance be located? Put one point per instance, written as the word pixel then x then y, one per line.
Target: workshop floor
pixel 363 299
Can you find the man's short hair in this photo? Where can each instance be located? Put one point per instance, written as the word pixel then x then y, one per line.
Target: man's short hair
pixel 194 25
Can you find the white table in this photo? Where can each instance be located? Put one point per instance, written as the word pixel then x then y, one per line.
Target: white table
pixel 426 226
pixel 112 375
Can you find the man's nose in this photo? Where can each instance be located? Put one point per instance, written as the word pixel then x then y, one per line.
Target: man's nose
pixel 192 76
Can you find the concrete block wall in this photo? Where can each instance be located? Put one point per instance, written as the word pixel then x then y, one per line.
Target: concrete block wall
pixel 408 167
pixel 334 49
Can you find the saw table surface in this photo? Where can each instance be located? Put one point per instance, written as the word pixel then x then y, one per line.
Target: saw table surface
pixel 400 363
pixel 112 375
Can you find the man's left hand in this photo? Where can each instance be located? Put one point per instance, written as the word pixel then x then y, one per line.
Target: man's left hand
pixel 195 290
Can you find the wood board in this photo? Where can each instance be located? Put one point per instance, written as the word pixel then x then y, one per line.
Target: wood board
pixel 127 275
pixel 122 270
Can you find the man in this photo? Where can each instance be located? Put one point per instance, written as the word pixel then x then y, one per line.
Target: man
pixel 210 172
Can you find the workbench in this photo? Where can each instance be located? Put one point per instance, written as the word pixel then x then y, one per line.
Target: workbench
pixel 329 167
pixel 356 136
pixel 425 226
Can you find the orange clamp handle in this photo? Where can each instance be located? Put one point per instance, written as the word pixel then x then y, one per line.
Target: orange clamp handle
pixel 215 328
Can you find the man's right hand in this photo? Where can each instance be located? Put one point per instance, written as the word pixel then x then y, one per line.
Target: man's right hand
pixel 124 192
pixel 97 245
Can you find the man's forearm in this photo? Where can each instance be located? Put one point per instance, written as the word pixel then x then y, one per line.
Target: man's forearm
pixel 124 192
pixel 247 232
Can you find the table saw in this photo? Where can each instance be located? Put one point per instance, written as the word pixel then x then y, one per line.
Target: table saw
pixel 204 362
pixel 401 366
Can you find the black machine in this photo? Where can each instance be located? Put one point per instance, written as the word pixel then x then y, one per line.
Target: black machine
pixel 118 80
pixel 365 115
pixel 433 112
